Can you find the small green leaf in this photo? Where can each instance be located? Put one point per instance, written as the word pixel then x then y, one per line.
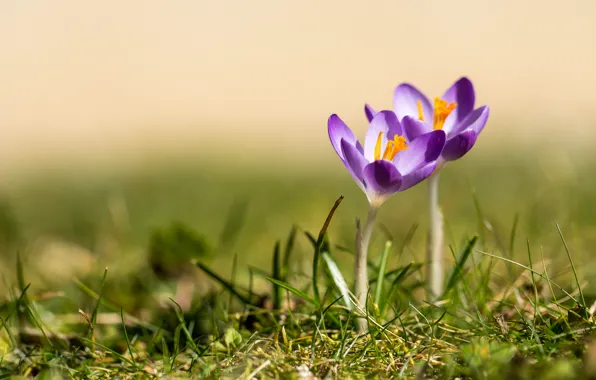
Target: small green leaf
pixel 232 338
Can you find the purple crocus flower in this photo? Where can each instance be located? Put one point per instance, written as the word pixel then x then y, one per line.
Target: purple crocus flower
pixel 390 160
pixel 454 113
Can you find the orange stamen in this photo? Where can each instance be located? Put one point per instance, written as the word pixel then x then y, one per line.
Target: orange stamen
pixel 394 147
pixel 442 110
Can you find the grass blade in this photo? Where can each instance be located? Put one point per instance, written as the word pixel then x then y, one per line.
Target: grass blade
pixel 126 337
pixel 394 284
pixel 459 266
pixel 381 275
pixel 24 299
pixel 88 291
pixel 20 273
pixel 512 244
pixel 288 252
pixel 189 338
pixel 96 309
pixel 277 296
pixel 108 349
pixel 372 267
pixel 319 244
pixel 579 288
pixel 397 271
pixel 228 286
pixel 233 224
pixel 571 297
pixel 513 233
pixel 30 314
pixel 535 303
pixel 294 290
pixel 259 272
pixel 480 216
pixel 233 278
pixel 408 239
pixel 338 279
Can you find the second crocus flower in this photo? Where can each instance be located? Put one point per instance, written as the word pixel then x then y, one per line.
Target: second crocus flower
pixel 453 113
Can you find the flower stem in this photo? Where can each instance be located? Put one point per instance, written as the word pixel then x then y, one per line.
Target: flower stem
pixel 361 270
pixel 435 272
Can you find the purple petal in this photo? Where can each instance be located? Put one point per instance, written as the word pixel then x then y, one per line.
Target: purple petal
pixel 414 127
pixel 417 176
pixel 475 121
pixel 355 161
pixel 462 93
pixel 459 145
pixel 338 130
pixel 405 102
pixel 381 179
pixel 395 127
pixel 422 151
pixel 386 122
pixel 370 112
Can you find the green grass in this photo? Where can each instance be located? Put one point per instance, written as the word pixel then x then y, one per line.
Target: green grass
pixel 243 274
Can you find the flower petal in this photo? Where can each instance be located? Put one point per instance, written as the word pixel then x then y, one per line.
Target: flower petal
pixel 386 122
pixel 405 102
pixel 414 127
pixel 395 127
pixel 370 112
pixel 459 145
pixel 338 130
pixel 381 179
pixel 422 151
pixel 354 161
pixel 462 93
pixel 475 121
pixel 417 176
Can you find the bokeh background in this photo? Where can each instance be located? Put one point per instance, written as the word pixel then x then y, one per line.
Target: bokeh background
pixel 121 118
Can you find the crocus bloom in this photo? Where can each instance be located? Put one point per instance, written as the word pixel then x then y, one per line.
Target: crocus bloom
pixel 390 161
pixel 454 113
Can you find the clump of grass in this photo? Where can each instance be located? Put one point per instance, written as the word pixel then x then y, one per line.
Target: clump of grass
pixel 482 327
pixel 508 310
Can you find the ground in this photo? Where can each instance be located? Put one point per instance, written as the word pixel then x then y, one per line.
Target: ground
pixel 180 271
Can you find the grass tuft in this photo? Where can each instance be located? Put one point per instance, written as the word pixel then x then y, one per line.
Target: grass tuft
pixel 253 312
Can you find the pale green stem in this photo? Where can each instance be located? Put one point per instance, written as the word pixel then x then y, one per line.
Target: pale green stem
pixel 361 270
pixel 434 258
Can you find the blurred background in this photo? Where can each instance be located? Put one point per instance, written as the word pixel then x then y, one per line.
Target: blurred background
pixel 132 126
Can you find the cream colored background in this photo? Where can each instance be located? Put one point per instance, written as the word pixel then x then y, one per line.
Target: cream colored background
pixel 122 80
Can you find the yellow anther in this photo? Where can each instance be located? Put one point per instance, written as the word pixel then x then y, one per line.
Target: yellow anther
pixel 420 112
pixel 442 111
pixel 378 146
